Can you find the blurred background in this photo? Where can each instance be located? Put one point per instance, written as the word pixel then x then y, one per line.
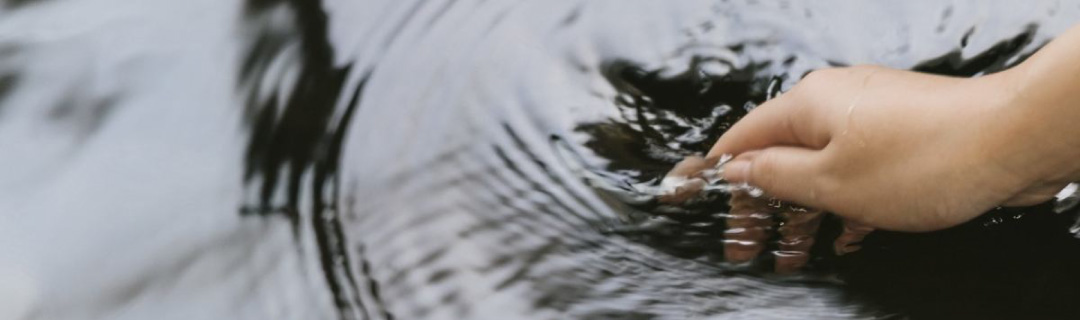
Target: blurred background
pixel 441 159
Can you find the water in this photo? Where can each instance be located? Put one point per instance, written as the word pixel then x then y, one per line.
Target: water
pixel 390 159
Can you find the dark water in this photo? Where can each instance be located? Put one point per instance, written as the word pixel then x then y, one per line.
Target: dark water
pixel 390 159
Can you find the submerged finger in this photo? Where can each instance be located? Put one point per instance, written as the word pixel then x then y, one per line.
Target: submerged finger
pixel 797 234
pixel 849 240
pixel 684 181
pixel 748 226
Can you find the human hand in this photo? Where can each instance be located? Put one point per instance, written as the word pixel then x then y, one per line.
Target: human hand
pixel 882 148
pixel 905 151
pixel 890 149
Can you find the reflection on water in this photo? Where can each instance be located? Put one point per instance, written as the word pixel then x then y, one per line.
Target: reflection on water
pixel 388 159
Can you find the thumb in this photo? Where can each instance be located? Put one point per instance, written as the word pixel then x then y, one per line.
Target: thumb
pixel 787 173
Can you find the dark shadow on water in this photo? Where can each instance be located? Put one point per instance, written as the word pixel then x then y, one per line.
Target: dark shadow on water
pixel 1018 263
pixel 998 57
pixel 296 143
pixel 7 83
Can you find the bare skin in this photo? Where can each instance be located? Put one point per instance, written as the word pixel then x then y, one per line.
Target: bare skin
pixel 905 151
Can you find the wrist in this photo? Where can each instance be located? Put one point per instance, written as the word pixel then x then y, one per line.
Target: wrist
pixel 1026 129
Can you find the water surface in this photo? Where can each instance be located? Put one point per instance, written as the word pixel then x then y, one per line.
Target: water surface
pixel 408 159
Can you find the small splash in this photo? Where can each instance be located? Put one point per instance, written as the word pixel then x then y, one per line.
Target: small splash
pixel 1066 200
pixel 711 178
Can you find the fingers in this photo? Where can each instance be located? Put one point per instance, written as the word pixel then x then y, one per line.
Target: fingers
pixel 691 166
pixel 797 235
pixel 750 221
pixel 853 234
pixel 748 226
pixel 786 173
pixel 684 181
pixel 778 122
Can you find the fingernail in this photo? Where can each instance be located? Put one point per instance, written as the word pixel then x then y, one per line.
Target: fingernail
pixel 737 171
